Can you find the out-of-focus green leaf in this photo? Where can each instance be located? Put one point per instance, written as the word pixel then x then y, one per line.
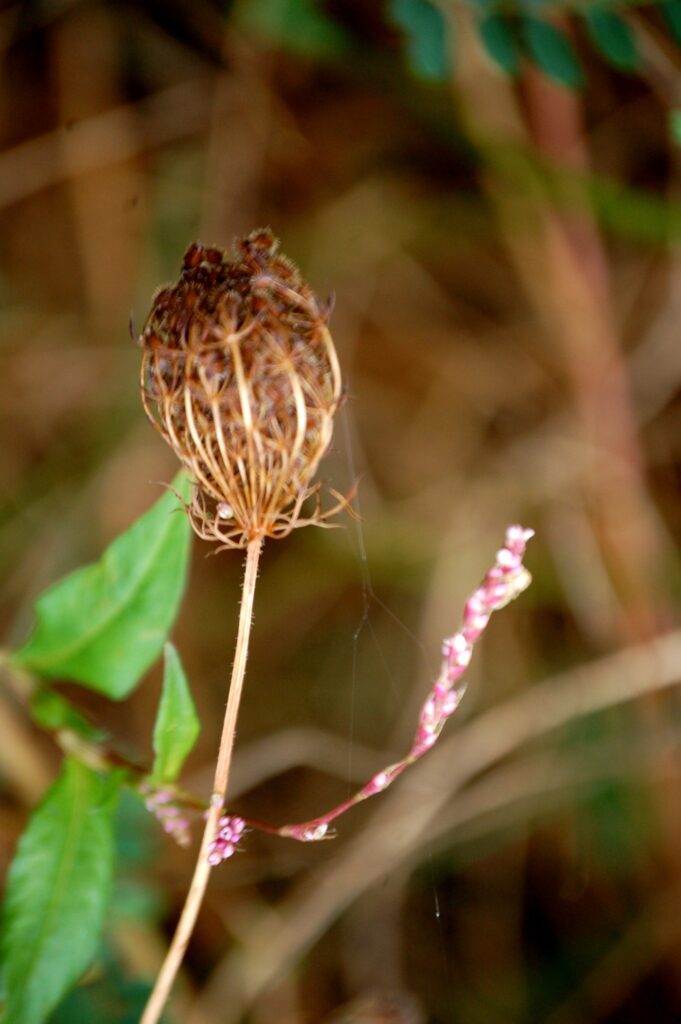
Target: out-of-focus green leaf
pixel 111 997
pixel 57 893
pixel 52 711
pixel 136 893
pixel 671 10
pixel 552 51
pixel 499 42
pixel 624 211
pixel 675 126
pixel 177 725
pixel 633 214
pixel 426 37
pixel 106 623
pixel 137 901
pixel 613 37
pixel 299 26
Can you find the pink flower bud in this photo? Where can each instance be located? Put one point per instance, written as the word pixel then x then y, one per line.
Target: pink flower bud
pixel 376 784
pixel 450 704
pixel 230 830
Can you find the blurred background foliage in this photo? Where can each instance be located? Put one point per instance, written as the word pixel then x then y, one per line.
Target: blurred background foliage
pixel 491 192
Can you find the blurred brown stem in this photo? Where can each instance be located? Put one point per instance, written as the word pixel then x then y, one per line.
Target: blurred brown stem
pixel 192 905
pixel 560 259
pixel 22 761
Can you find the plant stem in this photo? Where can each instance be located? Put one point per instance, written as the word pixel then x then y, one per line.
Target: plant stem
pixel 192 905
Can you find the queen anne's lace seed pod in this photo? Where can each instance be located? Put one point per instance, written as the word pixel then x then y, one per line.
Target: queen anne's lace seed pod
pixel 240 376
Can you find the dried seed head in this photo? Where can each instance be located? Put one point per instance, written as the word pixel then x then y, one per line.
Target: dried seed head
pixel 240 376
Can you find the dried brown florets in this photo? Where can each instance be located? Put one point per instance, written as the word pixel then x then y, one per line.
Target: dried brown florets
pixel 240 376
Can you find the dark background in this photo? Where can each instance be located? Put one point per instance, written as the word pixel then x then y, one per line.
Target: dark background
pixel 503 254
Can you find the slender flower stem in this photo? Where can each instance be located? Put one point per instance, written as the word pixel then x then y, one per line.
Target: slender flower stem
pixel 190 911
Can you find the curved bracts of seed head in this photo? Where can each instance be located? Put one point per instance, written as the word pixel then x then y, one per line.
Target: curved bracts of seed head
pixel 241 378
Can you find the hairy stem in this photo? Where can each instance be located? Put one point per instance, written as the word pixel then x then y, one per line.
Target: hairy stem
pixel 192 905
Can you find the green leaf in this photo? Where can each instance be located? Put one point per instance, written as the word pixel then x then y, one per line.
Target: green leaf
pixel 52 711
pixel 177 725
pixel 675 126
pixel 499 42
pixel 671 10
pixel 57 893
pixel 552 51
pixel 106 623
pixel 613 37
pixel 425 32
pixel 635 214
pixel 298 26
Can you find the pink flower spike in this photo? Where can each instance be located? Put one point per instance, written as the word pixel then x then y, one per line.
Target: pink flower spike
pixel 424 741
pixel 476 628
pixel 454 673
pixel 517 537
pixel 312 835
pixel 230 830
pixel 476 623
pixel 496 593
pixel 507 559
pixel 450 703
pixel 504 581
pixel 375 785
pixel 170 816
pixel 473 606
pixel 463 657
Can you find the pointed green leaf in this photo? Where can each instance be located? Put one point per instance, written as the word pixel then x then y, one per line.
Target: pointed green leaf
pixel 57 893
pixel 613 37
pixel 177 725
pixel 671 10
pixel 552 51
pixel 106 623
pixel 499 42
pixel 426 39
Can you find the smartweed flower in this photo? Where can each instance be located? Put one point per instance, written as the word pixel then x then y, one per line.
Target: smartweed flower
pixel 240 376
